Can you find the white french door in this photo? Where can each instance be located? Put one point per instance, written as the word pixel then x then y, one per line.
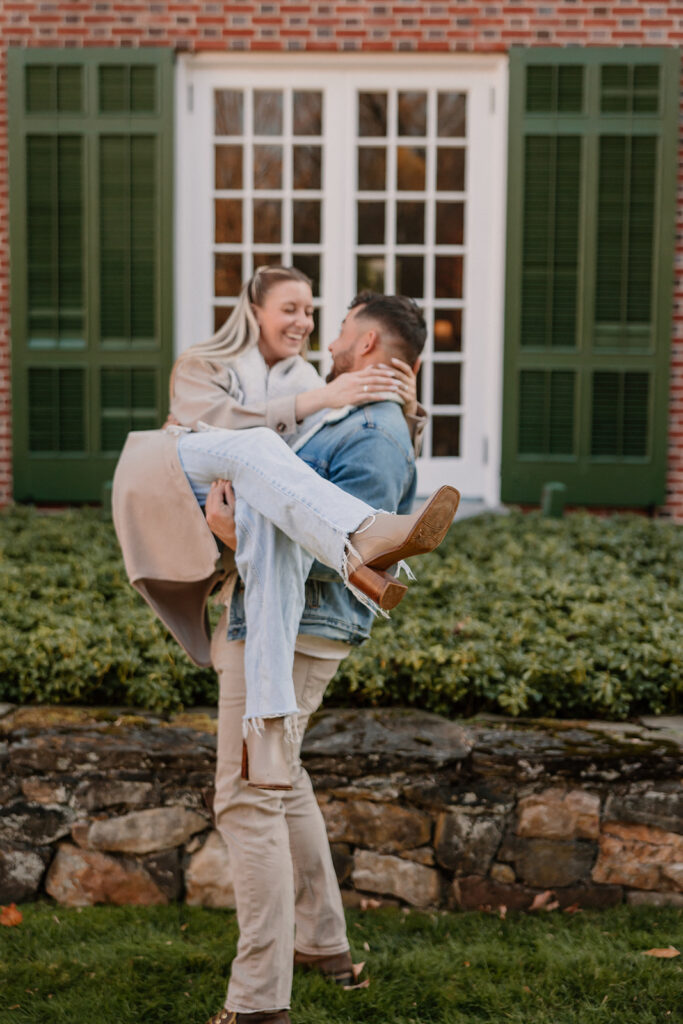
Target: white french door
pixel 386 175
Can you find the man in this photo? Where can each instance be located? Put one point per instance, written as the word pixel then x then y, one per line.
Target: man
pixel 283 873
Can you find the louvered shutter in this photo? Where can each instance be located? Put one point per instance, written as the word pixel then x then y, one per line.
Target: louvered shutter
pixel 591 208
pixel 91 233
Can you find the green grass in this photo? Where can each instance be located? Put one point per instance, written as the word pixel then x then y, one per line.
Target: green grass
pixel 169 965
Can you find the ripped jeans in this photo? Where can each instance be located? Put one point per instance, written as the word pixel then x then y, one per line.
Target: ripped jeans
pixel 285 516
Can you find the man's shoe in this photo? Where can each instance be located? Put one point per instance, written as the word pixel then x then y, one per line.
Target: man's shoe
pixel 264 764
pixel 389 538
pixel 268 1017
pixel 338 967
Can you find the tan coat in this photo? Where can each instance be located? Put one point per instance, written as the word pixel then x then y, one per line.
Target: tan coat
pixel 171 556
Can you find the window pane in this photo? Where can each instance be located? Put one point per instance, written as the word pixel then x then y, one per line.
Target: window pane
pixel 371 221
pixel 308 113
pixel 267 112
pixel 372 113
pixel 410 276
pixel 451 120
pixel 267 167
pixel 307 166
pixel 228 220
pixel 445 436
pixel 450 170
pixel 410 168
pixel 220 315
pixel 267 220
pixel 410 223
pixel 314 336
pixel 267 259
pixel 370 273
pixel 449 223
pixel 412 113
pixel 228 112
pixel 446 384
pixel 227 273
pixel 447 330
pixel 228 167
pixel 306 221
pixel 448 277
pixel 309 263
pixel 372 168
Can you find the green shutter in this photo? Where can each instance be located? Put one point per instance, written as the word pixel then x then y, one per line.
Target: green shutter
pixel 591 209
pixel 91 233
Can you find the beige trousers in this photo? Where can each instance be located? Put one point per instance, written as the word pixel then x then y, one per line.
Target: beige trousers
pixel 286 889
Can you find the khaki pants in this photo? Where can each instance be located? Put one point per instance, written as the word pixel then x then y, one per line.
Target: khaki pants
pixel 286 889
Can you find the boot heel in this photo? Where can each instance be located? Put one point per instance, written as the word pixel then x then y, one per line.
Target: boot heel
pixel 379 586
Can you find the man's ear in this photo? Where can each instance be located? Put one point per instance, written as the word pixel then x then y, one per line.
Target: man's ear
pixel 368 342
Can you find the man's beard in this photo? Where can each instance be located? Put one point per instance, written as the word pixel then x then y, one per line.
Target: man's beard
pixel 342 363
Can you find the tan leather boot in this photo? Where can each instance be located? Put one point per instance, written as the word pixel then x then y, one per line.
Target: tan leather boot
pixel 264 764
pixel 230 1017
pixel 391 538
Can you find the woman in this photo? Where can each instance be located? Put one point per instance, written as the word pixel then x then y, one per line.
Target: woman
pixel 251 374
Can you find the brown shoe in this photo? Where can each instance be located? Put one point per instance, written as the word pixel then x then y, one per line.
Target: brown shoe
pixel 268 1017
pixel 338 967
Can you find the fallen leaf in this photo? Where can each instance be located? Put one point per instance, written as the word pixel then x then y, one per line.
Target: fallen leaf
pixel 663 954
pixel 17 1006
pixel 544 901
pixel 183 926
pixel 467 963
pixel 10 915
pixel 366 947
pixel 526 989
pixel 357 969
pixel 574 909
pixel 56 919
pixel 369 904
pixel 502 911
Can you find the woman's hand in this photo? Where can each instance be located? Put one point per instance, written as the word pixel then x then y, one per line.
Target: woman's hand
pixel 220 512
pixel 407 386
pixel 360 387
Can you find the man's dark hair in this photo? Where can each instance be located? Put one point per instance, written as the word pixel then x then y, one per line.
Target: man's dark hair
pixel 403 326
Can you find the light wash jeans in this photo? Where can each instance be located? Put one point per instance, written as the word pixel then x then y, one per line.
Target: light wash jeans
pixel 285 516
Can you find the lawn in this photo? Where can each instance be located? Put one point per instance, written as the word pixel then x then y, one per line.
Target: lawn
pixel 168 965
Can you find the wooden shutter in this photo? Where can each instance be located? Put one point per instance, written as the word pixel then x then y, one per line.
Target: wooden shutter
pixel 91 232
pixel 591 209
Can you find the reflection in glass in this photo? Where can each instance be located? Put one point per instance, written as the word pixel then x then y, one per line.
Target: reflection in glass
pixel 227 273
pixel 450 223
pixel 412 113
pixel 267 166
pixel 307 166
pixel 410 223
pixel 451 115
pixel 309 263
pixel 445 436
pixel 306 220
pixel 220 315
pixel 448 277
pixel 410 276
pixel 308 113
pixel 370 273
pixel 447 330
pixel 267 112
pixel 371 218
pixel 267 220
pixel 372 113
pixel 410 168
pixel 228 216
pixel 228 161
pixel 446 383
pixel 450 169
pixel 372 168
pixel 228 105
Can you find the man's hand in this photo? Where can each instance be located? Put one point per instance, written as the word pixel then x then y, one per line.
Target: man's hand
pixel 220 512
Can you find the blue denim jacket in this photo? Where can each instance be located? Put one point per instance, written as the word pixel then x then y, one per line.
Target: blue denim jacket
pixel 369 454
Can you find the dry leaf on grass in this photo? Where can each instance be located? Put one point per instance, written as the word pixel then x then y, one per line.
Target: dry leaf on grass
pixel 357 971
pixel 368 904
pixel 502 911
pixel 544 901
pixel 574 909
pixel 663 954
pixel 10 915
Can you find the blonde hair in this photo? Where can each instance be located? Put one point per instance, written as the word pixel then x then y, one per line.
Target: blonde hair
pixel 241 330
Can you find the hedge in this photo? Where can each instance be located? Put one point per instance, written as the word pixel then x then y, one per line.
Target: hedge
pixel 513 614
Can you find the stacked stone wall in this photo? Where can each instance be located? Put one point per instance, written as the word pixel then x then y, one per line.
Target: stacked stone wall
pixel 314 26
pixel 100 807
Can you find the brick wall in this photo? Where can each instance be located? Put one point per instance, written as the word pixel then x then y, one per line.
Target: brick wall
pixel 351 25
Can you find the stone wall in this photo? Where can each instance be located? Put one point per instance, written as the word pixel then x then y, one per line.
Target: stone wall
pixel 100 806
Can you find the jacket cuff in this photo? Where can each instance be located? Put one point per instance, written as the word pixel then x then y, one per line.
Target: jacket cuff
pixel 281 415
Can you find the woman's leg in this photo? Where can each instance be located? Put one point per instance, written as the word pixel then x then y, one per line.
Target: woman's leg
pixel 267 474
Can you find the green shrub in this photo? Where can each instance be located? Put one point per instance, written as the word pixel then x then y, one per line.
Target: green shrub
pixel 514 614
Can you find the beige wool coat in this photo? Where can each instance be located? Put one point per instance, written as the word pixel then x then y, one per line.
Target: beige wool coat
pixel 170 554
